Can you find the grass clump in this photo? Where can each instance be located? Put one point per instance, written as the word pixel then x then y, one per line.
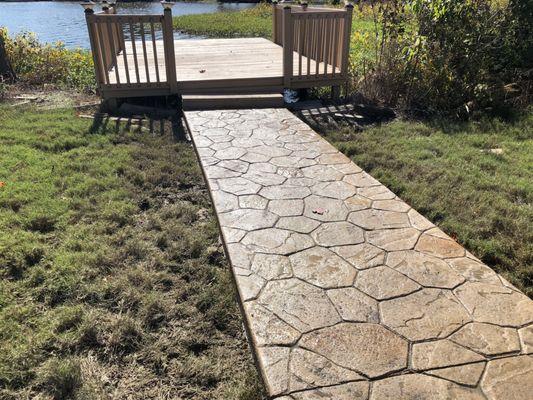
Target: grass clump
pixel 254 22
pixel 471 179
pixel 113 282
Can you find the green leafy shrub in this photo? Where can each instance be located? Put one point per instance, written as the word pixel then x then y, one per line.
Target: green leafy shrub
pixel 37 64
pixel 449 55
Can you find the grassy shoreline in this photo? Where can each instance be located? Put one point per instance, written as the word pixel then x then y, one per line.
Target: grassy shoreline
pixel 113 282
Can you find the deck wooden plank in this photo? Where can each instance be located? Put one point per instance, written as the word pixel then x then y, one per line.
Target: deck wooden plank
pixel 209 59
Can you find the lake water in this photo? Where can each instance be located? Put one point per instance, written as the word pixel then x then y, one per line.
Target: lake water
pixel 64 21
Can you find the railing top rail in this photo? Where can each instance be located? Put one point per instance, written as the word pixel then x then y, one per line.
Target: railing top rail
pixel 296 8
pixel 128 17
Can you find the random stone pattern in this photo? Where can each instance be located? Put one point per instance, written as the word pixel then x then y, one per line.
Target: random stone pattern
pixel 349 293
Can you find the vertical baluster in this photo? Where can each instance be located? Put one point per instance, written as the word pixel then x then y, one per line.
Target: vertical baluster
pixel 327 36
pixel 113 51
pixel 134 49
pixel 309 34
pixel 145 54
pixel 318 44
pixel 155 51
pixel 120 35
pixel 101 44
pixel 334 42
pixel 301 26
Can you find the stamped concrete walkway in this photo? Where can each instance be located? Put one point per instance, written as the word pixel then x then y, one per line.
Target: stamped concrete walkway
pixel 349 293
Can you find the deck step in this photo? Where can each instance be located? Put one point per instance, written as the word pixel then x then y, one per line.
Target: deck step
pixel 221 102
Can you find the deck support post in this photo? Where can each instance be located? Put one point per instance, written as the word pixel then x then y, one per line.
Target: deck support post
pixel 287 47
pixel 168 44
pixel 335 93
pixel 346 39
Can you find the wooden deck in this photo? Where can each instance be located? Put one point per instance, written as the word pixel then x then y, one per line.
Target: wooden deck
pixel 309 48
pixel 202 60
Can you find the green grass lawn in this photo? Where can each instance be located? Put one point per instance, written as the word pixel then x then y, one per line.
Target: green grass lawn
pixel 447 172
pixel 252 22
pixel 113 284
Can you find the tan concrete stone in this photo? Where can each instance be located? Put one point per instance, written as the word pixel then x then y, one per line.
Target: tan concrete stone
pixel 265 178
pixel 351 391
pixel 376 193
pixel 509 378
pixel 321 267
pixel 337 234
pixel 216 172
pixel 249 285
pixel 225 201
pixel 322 173
pixel 240 255
pixel 426 314
pixel 353 305
pixel 379 219
pixel 248 219
pixel 298 224
pixel 232 235
pixel 391 205
pixel 393 239
pixel 384 283
pixel 238 186
pixel 468 374
pixel 271 266
pixel 473 270
pixel 361 180
pixel 253 201
pixel 526 339
pixel 302 305
pixel 275 363
pixel 277 241
pixel 336 190
pixel 267 329
pixel 356 203
pixel 361 256
pixel 418 221
pixel 495 304
pixel 425 269
pixel 230 153
pixel 282 192
pixel 487 339
pixel 309 370
pixel 421 387
pixel 292 161
pixel 439 247
pixel 325 209
pixel 441 353
pixel 234 165
pixel 367 348
pixel 333 158
pixel 286 208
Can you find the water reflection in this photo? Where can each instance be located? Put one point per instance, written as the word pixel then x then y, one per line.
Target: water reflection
pixel 64 21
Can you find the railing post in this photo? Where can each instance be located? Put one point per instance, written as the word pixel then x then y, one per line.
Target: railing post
pixel 287 47
pixel 168 44
pixel 346 39
pixel 95 50
pixel 274 22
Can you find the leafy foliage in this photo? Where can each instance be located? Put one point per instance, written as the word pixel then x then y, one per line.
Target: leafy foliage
pixel 38 64
pixel 449 55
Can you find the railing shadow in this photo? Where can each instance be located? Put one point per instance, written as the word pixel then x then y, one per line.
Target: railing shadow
pixel 139 120
pixel 354 116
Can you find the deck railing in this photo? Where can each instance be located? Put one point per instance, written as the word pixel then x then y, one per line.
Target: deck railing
pixel 132 41
pixel 319 39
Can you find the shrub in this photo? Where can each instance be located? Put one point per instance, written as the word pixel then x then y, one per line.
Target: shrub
pixel 449 55
pixel 37 64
